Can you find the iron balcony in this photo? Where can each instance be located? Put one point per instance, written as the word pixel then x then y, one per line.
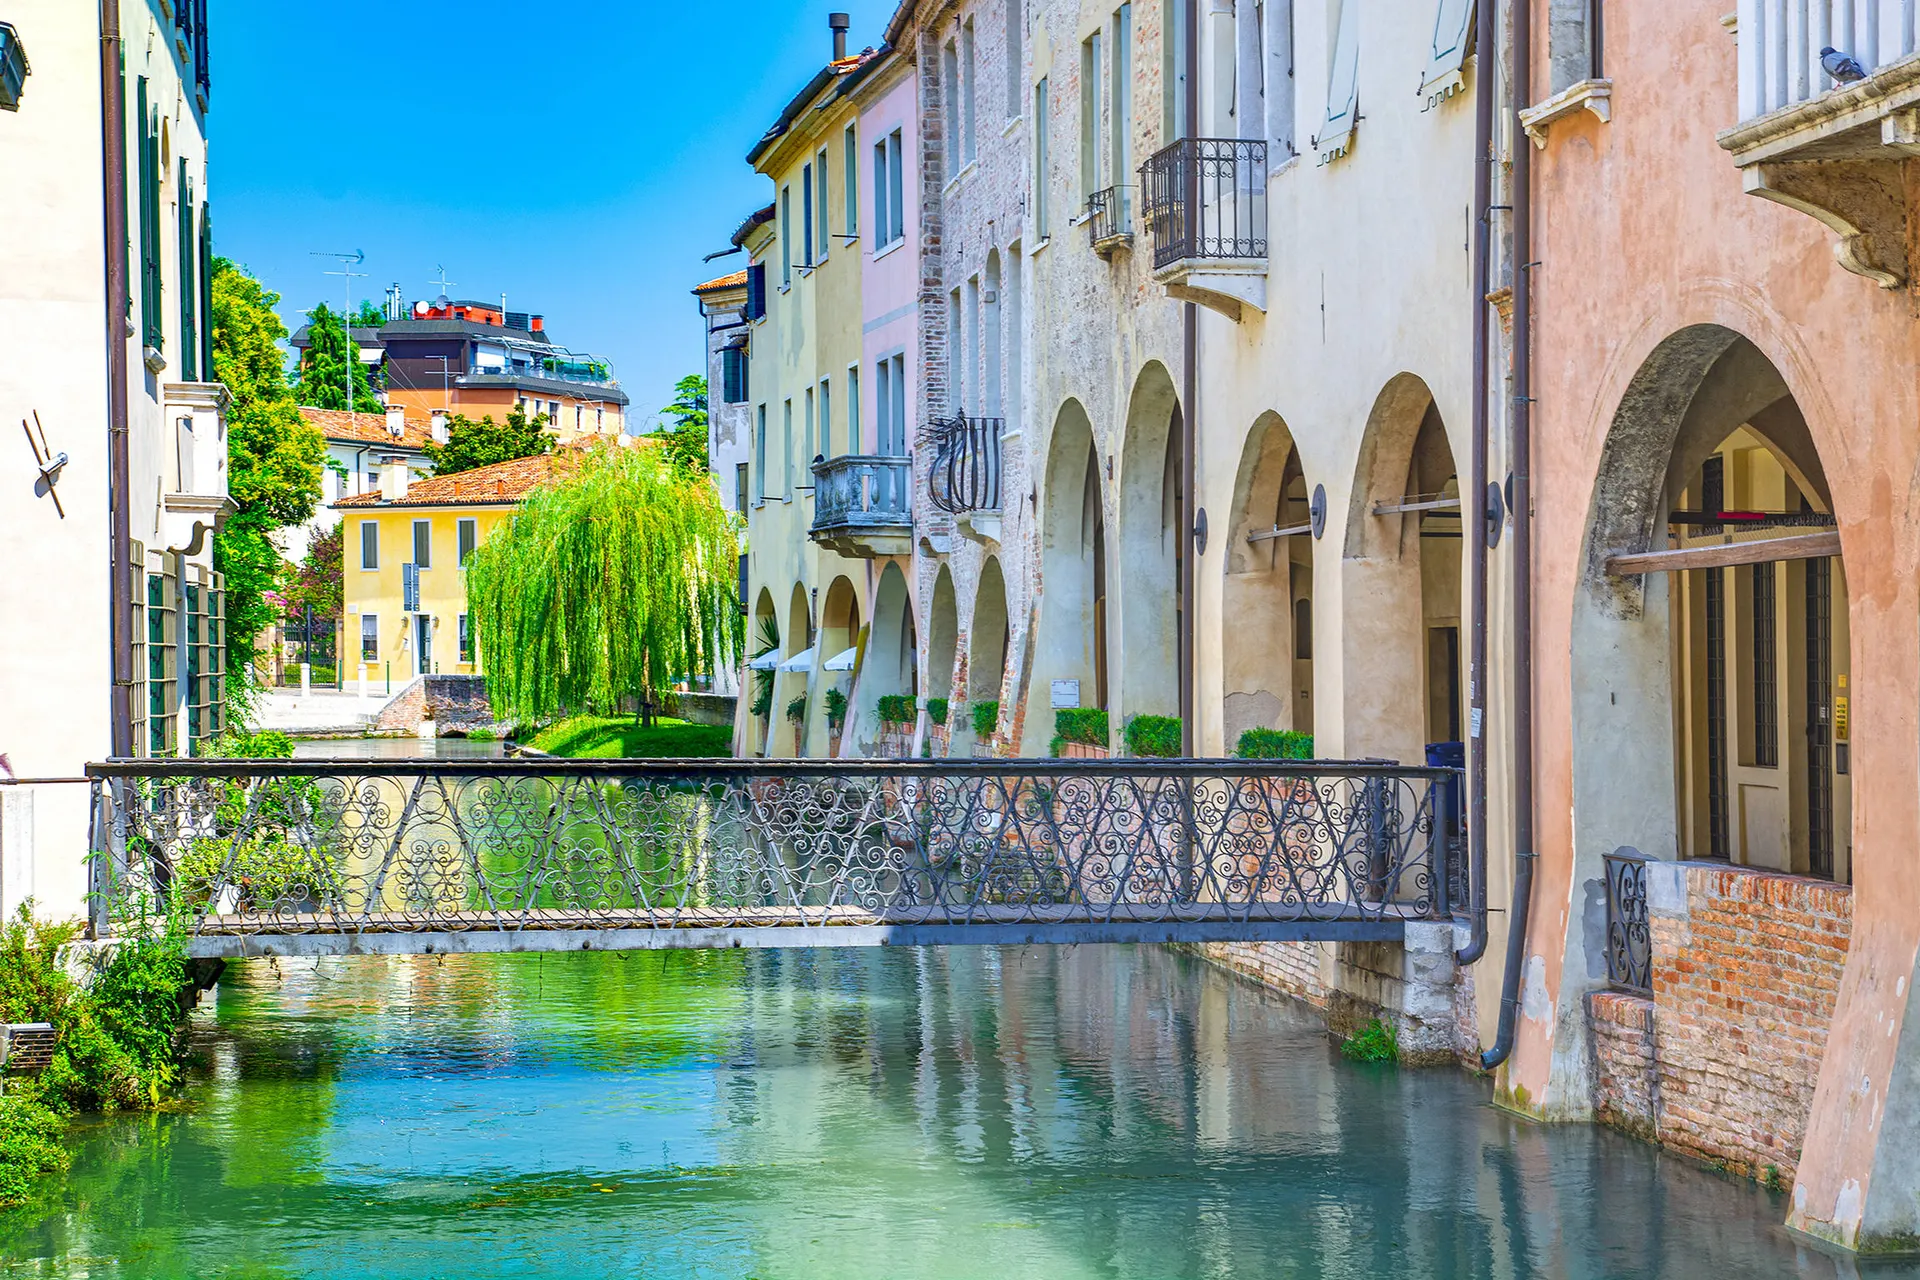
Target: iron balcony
pixel 1110 219
pixel 965 476
pixel 1206 210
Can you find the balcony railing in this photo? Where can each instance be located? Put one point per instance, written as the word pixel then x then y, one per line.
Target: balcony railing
pixel 1780 43
pixel 966 464
pixel 1206 198
pixel 1110 218
pixel 1629 939
pixel 861 490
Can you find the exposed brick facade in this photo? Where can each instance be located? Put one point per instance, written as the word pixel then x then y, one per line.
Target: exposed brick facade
pixel 1722 1061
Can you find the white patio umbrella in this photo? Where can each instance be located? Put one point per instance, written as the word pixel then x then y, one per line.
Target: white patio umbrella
pixel 766 661
pixel 802 661
pixel 842 661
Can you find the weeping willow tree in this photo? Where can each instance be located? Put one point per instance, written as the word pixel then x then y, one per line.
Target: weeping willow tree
pixel 611 584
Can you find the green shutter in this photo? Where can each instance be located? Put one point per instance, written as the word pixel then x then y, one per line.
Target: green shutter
pixel 189 266
pixel 153 331
pixel 206 293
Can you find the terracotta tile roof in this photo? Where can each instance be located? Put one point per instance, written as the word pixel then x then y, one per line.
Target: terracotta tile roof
pixel 735 281
pixel 368 428
pixel 500 483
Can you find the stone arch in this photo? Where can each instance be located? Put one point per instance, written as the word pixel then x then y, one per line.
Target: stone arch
pixel 887 666
pixel 839 632
pixel 796 639
pixel 943 636
pixel 765 628
pixel 1268 590
pixel 987 634
pixel 1071 640
pixel 1401 583
pixel 1152 549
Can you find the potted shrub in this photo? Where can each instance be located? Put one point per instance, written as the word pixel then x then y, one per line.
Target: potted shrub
pixel 797 710
pixel 1156 736
pixel 1080 733
pixel 836 719
pixel 986 723
pixel 1292 805
pixel 896 712
pixel 937 734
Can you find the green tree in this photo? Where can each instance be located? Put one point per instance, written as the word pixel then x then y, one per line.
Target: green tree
pixel 611 584
pixel 273 462
pixel 686 434
pixel 319 582
pixel 370 315
pixel 473 444
pixel 331 357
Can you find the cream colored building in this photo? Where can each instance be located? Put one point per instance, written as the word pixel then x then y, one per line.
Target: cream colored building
pixel 113 619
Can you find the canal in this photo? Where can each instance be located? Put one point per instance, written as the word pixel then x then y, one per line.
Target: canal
pixel 1043 1112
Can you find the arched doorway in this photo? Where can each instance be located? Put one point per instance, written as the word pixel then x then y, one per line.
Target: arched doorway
pixel 1070 651
pixel 888 665
pixel 1151 514
pixel 1268 594
pixel 763 642
pixel 987 636
pixel 789 734
pixel 1404 682
pixel 839 634
pixel 943 645
pixel 1712 619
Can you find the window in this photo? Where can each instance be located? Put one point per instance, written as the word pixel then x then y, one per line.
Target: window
pixel 890 405
pixel 1010 309
pixel 733 375
pixel 466 638
pixel 1040 225
pixel 599 418
pixel 1121 127
pixel 853 409
pixel 786 449
pixel 882 212
pixel 850 178
pixel 1091 173
pixel 1336 131
pixel 950 86
pixel 899 411
pixel 883 404
pixel 162 663
pixel 806 436
pixel 1016 58
pixel 1766 670
pixel 369 637
pixel 760 446
pixel 970 350
pixel 467 532
pixel 826 417
pixel 740 487
pixel 968 64
pixel 786 237
pixel 806 215
pixel 369 544
pixel 553 412
pixel 189 254
pixel 1173 70
pixel 579 416
pixel 896 191
pixel 423 543
pixel 757 291
pixel 956 353
pixel 820 201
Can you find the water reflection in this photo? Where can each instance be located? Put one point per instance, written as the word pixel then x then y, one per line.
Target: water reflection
pixel 1056 1112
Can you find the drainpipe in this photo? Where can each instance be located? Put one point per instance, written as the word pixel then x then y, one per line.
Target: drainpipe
pixel 1189 417
pixel 1522 450
pixel 1475 504
pixel 113 123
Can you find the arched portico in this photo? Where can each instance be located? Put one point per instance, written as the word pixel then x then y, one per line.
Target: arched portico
pixel 1266 623
pixel 987 635
pixel 791 736
pixel 1400 583
pixel 888 665
pixel 1071 644
pixel 839 633
pixel 1151 549
pixel 763 638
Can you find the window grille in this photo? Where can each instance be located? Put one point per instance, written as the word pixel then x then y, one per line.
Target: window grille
pixel 369 637
pixel 162 664
pixel 1718 845
pixel 1766 678
pixel 1819 577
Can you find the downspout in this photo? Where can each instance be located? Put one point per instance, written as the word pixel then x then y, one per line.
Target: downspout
pixel 1522 455
pixel 113 123
pixel 1486 73
pixel 1189 412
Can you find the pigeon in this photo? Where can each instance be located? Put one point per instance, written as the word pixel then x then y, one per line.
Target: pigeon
pixel 1841 66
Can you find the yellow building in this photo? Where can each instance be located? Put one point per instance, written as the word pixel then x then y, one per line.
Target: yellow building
pixel 405 551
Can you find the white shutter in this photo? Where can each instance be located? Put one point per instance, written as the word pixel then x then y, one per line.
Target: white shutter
pixel 1343 86
pixel 1452 32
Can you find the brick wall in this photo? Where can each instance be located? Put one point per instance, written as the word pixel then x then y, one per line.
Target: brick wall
pixel 1292 967
pixel 1722 1060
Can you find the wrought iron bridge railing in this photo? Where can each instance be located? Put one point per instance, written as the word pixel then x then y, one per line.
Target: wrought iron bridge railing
pixel 965 475
pixel 310 857
pixel 1206 198
pixel 861 489
pixel 1110 218
pixel 1629 938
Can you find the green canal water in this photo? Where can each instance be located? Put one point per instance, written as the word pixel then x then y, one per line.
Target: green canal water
pixel 1046 1112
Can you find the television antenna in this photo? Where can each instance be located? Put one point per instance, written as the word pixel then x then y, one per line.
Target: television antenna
pixel 444 283
pixel 348 261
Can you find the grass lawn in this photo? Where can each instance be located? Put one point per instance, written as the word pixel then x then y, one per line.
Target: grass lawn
pixel 600 738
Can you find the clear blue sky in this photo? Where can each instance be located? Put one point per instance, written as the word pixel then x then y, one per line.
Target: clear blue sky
pixel 580 156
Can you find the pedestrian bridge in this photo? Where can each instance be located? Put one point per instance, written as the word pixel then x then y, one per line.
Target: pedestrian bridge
pixel 329 857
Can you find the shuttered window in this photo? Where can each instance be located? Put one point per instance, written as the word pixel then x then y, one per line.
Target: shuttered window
pixel 206 294
pixel 733 374
pixel 757 291
pixel 369 544
pixel 152 328
pixel 189 251
pixel 1343 86
pixel 1447 57
pixel 468 536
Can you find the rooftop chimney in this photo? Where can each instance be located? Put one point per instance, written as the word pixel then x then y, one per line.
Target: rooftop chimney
pixel 439 426
pixel 396 420
pixel 393 478
pixel 839 22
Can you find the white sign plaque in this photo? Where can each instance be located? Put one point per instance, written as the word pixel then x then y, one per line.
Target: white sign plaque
pixel 1066 693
